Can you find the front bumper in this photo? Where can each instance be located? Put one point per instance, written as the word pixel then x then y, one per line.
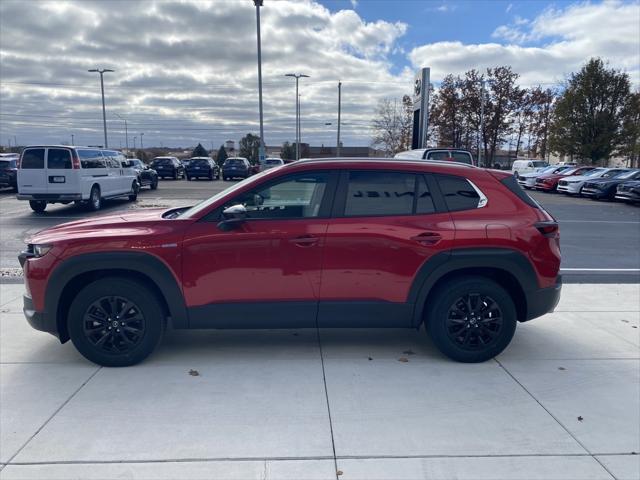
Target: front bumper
pixel 628 196
pixel 547 187
pixel 569 188
pixel 543 300
pixel 38 320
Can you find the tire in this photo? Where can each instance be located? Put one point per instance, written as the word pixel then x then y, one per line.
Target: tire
pixel 38 206
pixel 482 337
pixel 135 189
pixel 95 200
pixel 175 175
pixel 210 177
pixel 154 184
pixel 93 309
pixel 189 178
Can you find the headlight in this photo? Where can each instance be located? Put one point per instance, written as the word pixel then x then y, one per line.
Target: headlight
pixel 40 250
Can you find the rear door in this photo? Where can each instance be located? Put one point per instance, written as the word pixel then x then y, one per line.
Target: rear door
pixel 61 177
pixel 386 225
pixel 32 174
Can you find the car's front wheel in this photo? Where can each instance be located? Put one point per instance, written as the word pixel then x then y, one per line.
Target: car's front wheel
pixel 115 322
pixel 471 319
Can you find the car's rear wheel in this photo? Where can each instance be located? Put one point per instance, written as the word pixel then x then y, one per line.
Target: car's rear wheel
pixel 38 206
pixel 115 322
pixel 471 319
pixel 95 200
pixel 154 184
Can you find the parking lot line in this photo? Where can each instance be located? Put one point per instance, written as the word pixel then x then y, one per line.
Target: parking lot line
pixel 600 269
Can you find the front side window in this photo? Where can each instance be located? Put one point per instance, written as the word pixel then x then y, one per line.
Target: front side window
pixel 458 193
pixel 33 159
pixel 379 193
pixel 298 196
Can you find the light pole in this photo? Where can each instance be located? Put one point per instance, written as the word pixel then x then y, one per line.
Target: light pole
pixel 104 112
pixel 134 142
pixel 339 105
pixel 141 145
pixel 297 76
pixel 126 131
pixel 72 140
pixel 261 154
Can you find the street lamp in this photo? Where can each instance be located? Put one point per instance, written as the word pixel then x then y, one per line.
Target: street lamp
pixel 141 145
pixel 297 76
pixel 126 131
pixel 261 154
pixel 104 113
pixel 134 142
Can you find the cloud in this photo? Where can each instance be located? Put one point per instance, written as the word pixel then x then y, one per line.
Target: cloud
pixel 354 4
pixel 549 47
pixel 187 71
pixel 509 7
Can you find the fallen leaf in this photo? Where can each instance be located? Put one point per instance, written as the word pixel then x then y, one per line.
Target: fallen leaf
pixel 403 359
pixel 370 358
pixel 194 373
pixel 580 419
pixel 561 368
pixel 408 352
pixel 339 472
pixel 625 321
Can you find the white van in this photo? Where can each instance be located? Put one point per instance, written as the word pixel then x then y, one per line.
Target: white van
pixel 85 175
pixel 520 167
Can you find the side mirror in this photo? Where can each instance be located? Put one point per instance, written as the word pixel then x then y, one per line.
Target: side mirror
pixel 234 216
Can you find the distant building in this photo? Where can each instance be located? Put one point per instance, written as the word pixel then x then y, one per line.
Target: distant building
pixel 311 151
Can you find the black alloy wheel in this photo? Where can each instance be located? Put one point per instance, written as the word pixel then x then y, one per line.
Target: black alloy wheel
pixel 474 321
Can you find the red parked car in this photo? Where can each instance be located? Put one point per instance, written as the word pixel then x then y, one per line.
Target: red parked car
pixel 315 243
pixel 549 181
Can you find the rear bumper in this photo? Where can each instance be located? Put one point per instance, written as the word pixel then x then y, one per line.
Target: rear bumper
pixel 50 197
pixel 571 188
pixel 543 300
pixel 38 320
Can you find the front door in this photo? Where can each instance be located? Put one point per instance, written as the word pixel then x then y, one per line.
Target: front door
pixel 386 226
pixel 266 271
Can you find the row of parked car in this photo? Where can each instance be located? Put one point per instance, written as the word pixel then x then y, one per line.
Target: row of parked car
pixel 599 183
pixel 207 168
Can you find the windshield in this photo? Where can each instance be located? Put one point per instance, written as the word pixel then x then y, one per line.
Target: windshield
pixel 539 164
pixel 628 174
pixel 594 173
pixel 568 172
pixel 162 161
pixel 203 205
pixel 234 162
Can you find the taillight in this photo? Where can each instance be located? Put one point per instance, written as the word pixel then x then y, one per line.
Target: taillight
pixel 549 229
pixel 75 161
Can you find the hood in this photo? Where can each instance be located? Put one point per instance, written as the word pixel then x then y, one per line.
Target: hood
pixel 133 223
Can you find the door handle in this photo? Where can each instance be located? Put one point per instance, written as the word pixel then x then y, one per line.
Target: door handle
pixel 427 238
pixel 304 240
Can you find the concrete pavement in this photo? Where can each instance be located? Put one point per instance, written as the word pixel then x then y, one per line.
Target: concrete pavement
pixel 562 402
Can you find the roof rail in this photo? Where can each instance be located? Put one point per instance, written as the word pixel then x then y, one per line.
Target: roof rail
pixel 384 159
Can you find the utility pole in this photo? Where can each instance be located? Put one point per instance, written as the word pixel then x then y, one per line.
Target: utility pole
pixel 297 76
pixel 339 107
pixel 104 112
pixel 261 148
pixel 126 131
pixel 141 145
pixel 134 142
pixel 72 140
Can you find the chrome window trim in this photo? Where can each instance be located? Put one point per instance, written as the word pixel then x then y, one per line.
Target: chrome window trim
pixel 484 201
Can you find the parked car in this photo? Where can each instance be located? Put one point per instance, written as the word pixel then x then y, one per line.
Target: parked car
pixel 549 181
pixel 9 170
pixel 528 180
pixel 328 243
pixel 185 162
pixel 236 167
pixel 444 154
pixel 203 167
pixel 84 175
pixel 271 163
pixel 520 167
pixel 147 176
pixel 573 185
pixel 168 167
pixel 629 192
pixel 605 188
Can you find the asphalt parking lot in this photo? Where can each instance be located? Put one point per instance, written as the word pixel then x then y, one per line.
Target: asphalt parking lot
pixel 600 240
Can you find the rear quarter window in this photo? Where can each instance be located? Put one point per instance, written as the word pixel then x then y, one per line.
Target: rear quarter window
pixel 458 193
pixel 33 159
pixel 91 159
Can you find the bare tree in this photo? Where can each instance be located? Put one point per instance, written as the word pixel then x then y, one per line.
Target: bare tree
pixel 389 127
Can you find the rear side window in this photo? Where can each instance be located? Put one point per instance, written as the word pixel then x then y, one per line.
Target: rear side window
pixel 59 158
pixel 462 157
pixel 439 155
pixel 379 193
pixel 458 193
pixel 91 159
pixel 424 202
pixel 33 159
pixel 512 184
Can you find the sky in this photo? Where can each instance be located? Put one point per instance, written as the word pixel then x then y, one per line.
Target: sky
pixel 186 72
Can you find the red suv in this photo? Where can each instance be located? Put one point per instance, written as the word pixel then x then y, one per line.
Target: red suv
pixel 549 181
pixel 315 243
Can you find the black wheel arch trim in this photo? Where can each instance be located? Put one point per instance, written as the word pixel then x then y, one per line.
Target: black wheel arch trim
pixel 140 263
pixel 435 268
